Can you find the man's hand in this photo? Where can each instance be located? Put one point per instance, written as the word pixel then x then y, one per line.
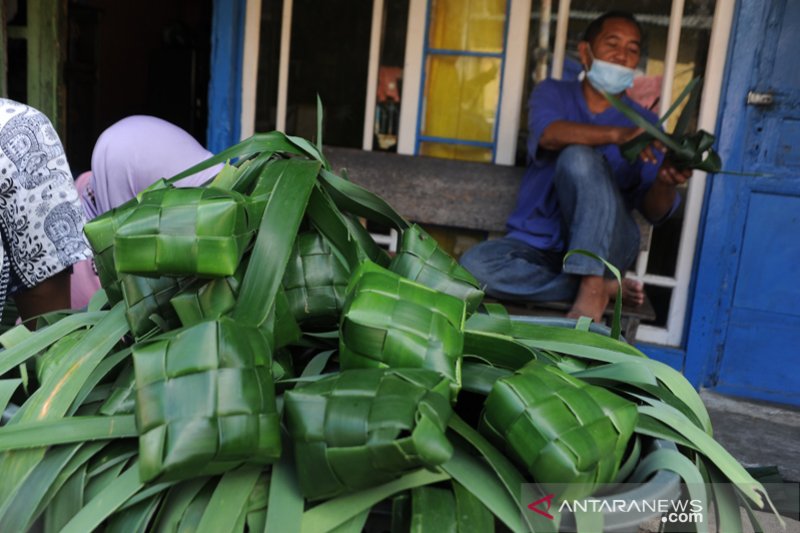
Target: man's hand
pixel 650 153
pixel 660 197
pixel 669 174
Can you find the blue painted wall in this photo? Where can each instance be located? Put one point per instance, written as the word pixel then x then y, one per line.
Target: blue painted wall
pixel 225 86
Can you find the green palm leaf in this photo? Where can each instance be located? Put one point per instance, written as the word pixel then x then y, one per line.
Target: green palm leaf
pixel 276 233
pixel 686 150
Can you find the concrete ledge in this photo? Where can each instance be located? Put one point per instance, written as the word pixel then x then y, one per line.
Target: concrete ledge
pixel 444 192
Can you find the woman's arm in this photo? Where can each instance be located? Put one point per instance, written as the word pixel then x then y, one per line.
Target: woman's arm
pixel 50 295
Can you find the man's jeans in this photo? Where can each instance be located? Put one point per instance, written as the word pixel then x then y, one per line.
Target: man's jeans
pixel 594 218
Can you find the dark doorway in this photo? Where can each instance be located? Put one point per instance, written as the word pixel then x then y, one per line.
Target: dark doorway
pixel 126 58
pixel 329 59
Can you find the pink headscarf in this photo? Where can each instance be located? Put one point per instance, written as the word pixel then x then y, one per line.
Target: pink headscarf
pixel 83 281
pixel 129 156
pixel 135 152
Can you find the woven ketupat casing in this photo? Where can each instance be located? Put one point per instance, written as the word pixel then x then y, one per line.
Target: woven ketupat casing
pixel 205 400
pixel 145 297
pixel 180 232
pixel 561 429
pixel 389 321
pixel 420 259
pixel 315 282
pixel 211 299
pixel 361 428
pixel 100 233
pixel 207 299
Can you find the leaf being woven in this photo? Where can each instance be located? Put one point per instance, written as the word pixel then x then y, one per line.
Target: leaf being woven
pixel 362 428
pixel 178 232
pixel 421 259
pixel 561 429
pixel 205 398
pixel 392 322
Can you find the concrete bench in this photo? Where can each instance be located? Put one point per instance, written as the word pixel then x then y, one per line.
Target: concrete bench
pixel 459 195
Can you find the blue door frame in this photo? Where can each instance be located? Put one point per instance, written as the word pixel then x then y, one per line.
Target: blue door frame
pixel 225 86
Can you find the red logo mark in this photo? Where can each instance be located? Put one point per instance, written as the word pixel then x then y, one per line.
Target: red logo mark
pixel 548 500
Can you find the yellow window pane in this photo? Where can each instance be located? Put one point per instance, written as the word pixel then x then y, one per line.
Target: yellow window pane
pixel 455 151
pixel 474 25
pixel 461 97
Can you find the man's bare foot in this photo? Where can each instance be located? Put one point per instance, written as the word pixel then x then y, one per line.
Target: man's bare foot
pixel 632 291
pixel 592 299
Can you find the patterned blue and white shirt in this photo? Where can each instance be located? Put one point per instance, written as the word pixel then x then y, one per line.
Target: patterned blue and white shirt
pixel 41 218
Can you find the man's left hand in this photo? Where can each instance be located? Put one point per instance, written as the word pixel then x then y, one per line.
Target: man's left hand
pixel 669 174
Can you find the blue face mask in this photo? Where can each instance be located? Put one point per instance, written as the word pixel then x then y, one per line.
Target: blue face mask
pixel 609 77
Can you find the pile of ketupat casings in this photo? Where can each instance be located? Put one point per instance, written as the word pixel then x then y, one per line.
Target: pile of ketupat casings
pixel 257 363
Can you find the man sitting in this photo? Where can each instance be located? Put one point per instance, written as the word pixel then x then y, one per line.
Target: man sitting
pixel 578 191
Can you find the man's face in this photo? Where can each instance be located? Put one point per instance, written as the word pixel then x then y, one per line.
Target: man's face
pixel 618 42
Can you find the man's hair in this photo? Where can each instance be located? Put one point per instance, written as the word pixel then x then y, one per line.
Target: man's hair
pixel 596 26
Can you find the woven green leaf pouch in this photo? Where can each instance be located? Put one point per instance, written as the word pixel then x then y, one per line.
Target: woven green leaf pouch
pixel 208 299
pixel 214 298
pixel 180 232
pixel 147 302
pixel 361 428
pixel 561 429
pixel 315 282
pixel 100 233
pixel 205 401
pixel 421 259
pixel 284 329
pixel 390 321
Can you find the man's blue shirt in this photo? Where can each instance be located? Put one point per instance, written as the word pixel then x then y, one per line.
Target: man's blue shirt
pixel 536 219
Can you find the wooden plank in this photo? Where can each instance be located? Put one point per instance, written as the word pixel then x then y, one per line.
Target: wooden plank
pixel 3 52
pixel 46 54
